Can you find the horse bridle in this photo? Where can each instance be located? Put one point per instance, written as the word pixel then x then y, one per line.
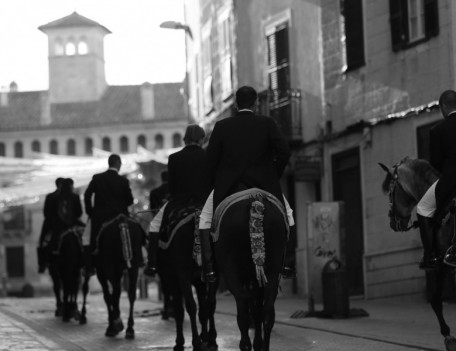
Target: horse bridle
pixel 392 213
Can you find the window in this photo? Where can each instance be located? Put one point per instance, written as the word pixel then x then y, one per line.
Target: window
pixel 54 147
pixel 412 22
pixel 71 147
pixel 159 142
pixel 224 31
pixel 15 266
pixel 70 48
pixel 58 47
pixel 36 146
pixel 279 75
pixel 88 146
pixel 2 149
pixel 83 49
pixel 18 149
pixel 142 141
pixel 177 140
pixel 353 41
pixel 14 218
pixel 124 144
pixel 106 144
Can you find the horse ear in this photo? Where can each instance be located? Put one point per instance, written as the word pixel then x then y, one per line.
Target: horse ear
pixel 385 168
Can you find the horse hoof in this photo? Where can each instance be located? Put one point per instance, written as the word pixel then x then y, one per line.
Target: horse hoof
pixel 179 348
pixel 450 343
pixel 82 320
pixel 111 331
pixel 130 334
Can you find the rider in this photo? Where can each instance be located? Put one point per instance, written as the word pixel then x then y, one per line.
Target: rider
pixel 112 194
pixel 244 151
pixel 443 159
pixel 188 180
pixel 160 195
pixel 49 212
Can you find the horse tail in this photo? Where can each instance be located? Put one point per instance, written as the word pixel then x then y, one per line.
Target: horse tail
pixel 257 245
pixel 126 243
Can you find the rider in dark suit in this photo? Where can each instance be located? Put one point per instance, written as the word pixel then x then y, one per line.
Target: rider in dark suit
pixel 112 194
pixel 244 151
pixel 49 212
pixel 160 195
pixel 188 181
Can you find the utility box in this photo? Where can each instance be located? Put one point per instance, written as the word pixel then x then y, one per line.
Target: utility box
pixel 335 290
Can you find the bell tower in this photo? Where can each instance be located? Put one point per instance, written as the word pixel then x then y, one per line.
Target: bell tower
pixel 76 59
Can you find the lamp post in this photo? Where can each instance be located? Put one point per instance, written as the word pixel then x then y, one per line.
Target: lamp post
pixel 188 31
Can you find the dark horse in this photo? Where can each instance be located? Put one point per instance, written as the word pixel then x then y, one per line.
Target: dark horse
pixel 178 259
pixel 69 262
pixel 405 183
pixel 119 248
pixel 250 238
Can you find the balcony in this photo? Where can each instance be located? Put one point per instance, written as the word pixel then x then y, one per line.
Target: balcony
pixel 284 106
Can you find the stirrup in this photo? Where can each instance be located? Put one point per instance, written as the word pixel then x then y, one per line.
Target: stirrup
pixel 450 256
pixel 430 263
pixel 150 271
pixel 288 272
pixel 209 278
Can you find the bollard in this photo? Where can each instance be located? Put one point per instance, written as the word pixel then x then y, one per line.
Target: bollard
pixel 335 290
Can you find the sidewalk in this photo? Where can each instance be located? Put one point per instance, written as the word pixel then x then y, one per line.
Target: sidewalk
pixel 403 321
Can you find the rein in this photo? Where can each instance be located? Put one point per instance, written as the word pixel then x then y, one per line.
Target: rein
pixel 392 213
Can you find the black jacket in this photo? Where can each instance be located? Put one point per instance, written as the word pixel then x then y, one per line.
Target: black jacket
pixel 247 149
pixel 443 158
pixel 112 196
pixel 188 175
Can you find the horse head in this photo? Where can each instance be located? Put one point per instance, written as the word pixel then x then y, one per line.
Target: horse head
pixel 402 199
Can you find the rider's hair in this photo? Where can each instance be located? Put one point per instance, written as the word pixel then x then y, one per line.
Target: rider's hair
pixel 448 99
pixel 114 160
pixel 194 134
pixel 245 97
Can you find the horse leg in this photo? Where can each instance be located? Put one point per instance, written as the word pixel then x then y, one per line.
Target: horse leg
pixel 178 317
pixel 132 281
pixel 270 295
pixel 257 314
pixel 210 309
pixel 243 321
pixel 66 302
pixel 85 291
pixel 190 306
pixel 200 288
pixel 56 288
pixel 115 300
pixel 436 301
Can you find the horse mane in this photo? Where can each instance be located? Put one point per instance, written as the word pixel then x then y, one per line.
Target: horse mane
pixel 420 166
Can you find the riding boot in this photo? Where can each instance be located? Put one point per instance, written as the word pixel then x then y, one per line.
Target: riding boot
pixel 152 251
pixel 207 256
pixel 428 232
pixel 289 266
pixel 89 268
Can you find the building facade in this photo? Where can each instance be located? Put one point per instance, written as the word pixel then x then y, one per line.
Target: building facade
pixel 79 113
pixel 351 83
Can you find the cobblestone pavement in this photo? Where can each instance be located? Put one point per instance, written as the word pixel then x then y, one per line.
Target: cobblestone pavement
pixel 398 324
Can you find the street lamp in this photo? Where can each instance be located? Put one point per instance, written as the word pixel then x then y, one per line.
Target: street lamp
pixel 188 31
pixel 177 25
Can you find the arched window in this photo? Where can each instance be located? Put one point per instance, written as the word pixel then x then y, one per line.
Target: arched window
pixel 142 141
pixel 36 146
pixel 2 149
pixel 18 149
pixel 88 146
pixel 70 48
pixel 71 147
pixel 124 144
pixel 54 147
pixel 177 140
pixel 106 144
pixel 159 142
pixel 83 49
pixel 59 50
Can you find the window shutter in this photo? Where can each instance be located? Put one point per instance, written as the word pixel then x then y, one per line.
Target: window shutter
pixel 354 33
pixel 399 23
pixel 431 18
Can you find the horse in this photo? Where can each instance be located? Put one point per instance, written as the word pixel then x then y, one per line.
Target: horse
pixel 179 258
pixel 405 183
pixel 119 248
pixel 69 263
pixel 250 230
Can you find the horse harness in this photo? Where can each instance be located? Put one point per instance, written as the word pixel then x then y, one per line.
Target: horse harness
pixel 394 183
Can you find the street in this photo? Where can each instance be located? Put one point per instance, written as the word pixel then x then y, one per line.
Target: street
pixel 29 324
